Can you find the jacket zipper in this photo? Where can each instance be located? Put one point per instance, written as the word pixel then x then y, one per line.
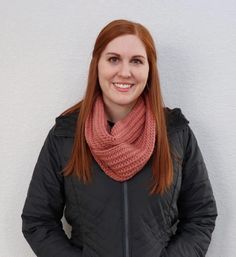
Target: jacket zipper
pixel 126 219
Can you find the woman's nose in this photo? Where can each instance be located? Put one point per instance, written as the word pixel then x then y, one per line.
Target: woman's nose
pixel 124 70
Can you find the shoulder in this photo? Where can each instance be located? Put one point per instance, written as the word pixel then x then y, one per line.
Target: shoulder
pixel 65 125
pixel 175 120
pixel 180 133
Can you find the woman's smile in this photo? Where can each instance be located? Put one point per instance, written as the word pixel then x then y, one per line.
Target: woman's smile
pixel 123 87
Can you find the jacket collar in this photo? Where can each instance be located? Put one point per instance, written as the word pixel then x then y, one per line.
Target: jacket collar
pixel 175 120
pixel 65 125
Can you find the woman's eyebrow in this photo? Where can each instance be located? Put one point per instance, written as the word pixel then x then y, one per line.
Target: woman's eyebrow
pixel 112 53
pixel 134 56
pixel 139 56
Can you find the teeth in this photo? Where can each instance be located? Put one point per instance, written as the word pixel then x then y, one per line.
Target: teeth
pixel 122 85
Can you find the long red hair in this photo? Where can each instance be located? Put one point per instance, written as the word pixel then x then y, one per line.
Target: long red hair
pixel 80 160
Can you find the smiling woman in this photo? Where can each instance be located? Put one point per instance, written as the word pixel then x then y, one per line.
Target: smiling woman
pixel 122 72
pixel 125 170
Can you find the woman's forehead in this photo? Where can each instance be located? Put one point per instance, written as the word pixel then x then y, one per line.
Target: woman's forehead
pixel 126 45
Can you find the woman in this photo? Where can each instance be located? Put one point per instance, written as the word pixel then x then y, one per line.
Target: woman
pixel 126 171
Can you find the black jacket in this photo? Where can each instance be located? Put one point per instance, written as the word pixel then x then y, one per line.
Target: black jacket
pixel 119 219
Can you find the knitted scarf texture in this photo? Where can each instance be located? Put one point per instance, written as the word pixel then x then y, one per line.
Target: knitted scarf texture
pixel 123 150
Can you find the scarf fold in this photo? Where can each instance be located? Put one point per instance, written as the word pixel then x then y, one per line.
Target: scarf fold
pixel 123 150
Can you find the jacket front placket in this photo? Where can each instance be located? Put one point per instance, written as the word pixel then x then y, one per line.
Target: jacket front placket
pixel 126 220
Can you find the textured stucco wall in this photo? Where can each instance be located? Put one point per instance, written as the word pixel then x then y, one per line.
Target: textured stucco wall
pixel 45 48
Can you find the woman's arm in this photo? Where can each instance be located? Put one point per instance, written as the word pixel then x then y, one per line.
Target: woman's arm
pixel 196 206
pixel 44 207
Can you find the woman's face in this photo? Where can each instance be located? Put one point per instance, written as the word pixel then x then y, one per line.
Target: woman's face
pixel 123 71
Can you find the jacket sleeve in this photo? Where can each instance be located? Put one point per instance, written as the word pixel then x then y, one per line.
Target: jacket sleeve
pixel 196 205
pixel 44 207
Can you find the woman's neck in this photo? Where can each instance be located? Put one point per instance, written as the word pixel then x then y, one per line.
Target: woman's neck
pixel 118 112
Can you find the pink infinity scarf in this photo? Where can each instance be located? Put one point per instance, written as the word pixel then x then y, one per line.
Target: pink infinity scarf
pixel 123 150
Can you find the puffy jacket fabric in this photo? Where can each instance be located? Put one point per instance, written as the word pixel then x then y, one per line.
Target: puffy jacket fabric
pixel 119 219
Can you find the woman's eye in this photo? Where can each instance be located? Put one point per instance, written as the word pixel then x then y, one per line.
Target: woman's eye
pixel 113 59
pixel 137 61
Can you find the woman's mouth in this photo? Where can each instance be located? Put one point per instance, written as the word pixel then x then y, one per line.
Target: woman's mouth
pixel 124 87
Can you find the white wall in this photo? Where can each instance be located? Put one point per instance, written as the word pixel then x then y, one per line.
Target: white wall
pixel 45 48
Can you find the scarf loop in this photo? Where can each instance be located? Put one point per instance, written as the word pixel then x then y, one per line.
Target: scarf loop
pixel 123 150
